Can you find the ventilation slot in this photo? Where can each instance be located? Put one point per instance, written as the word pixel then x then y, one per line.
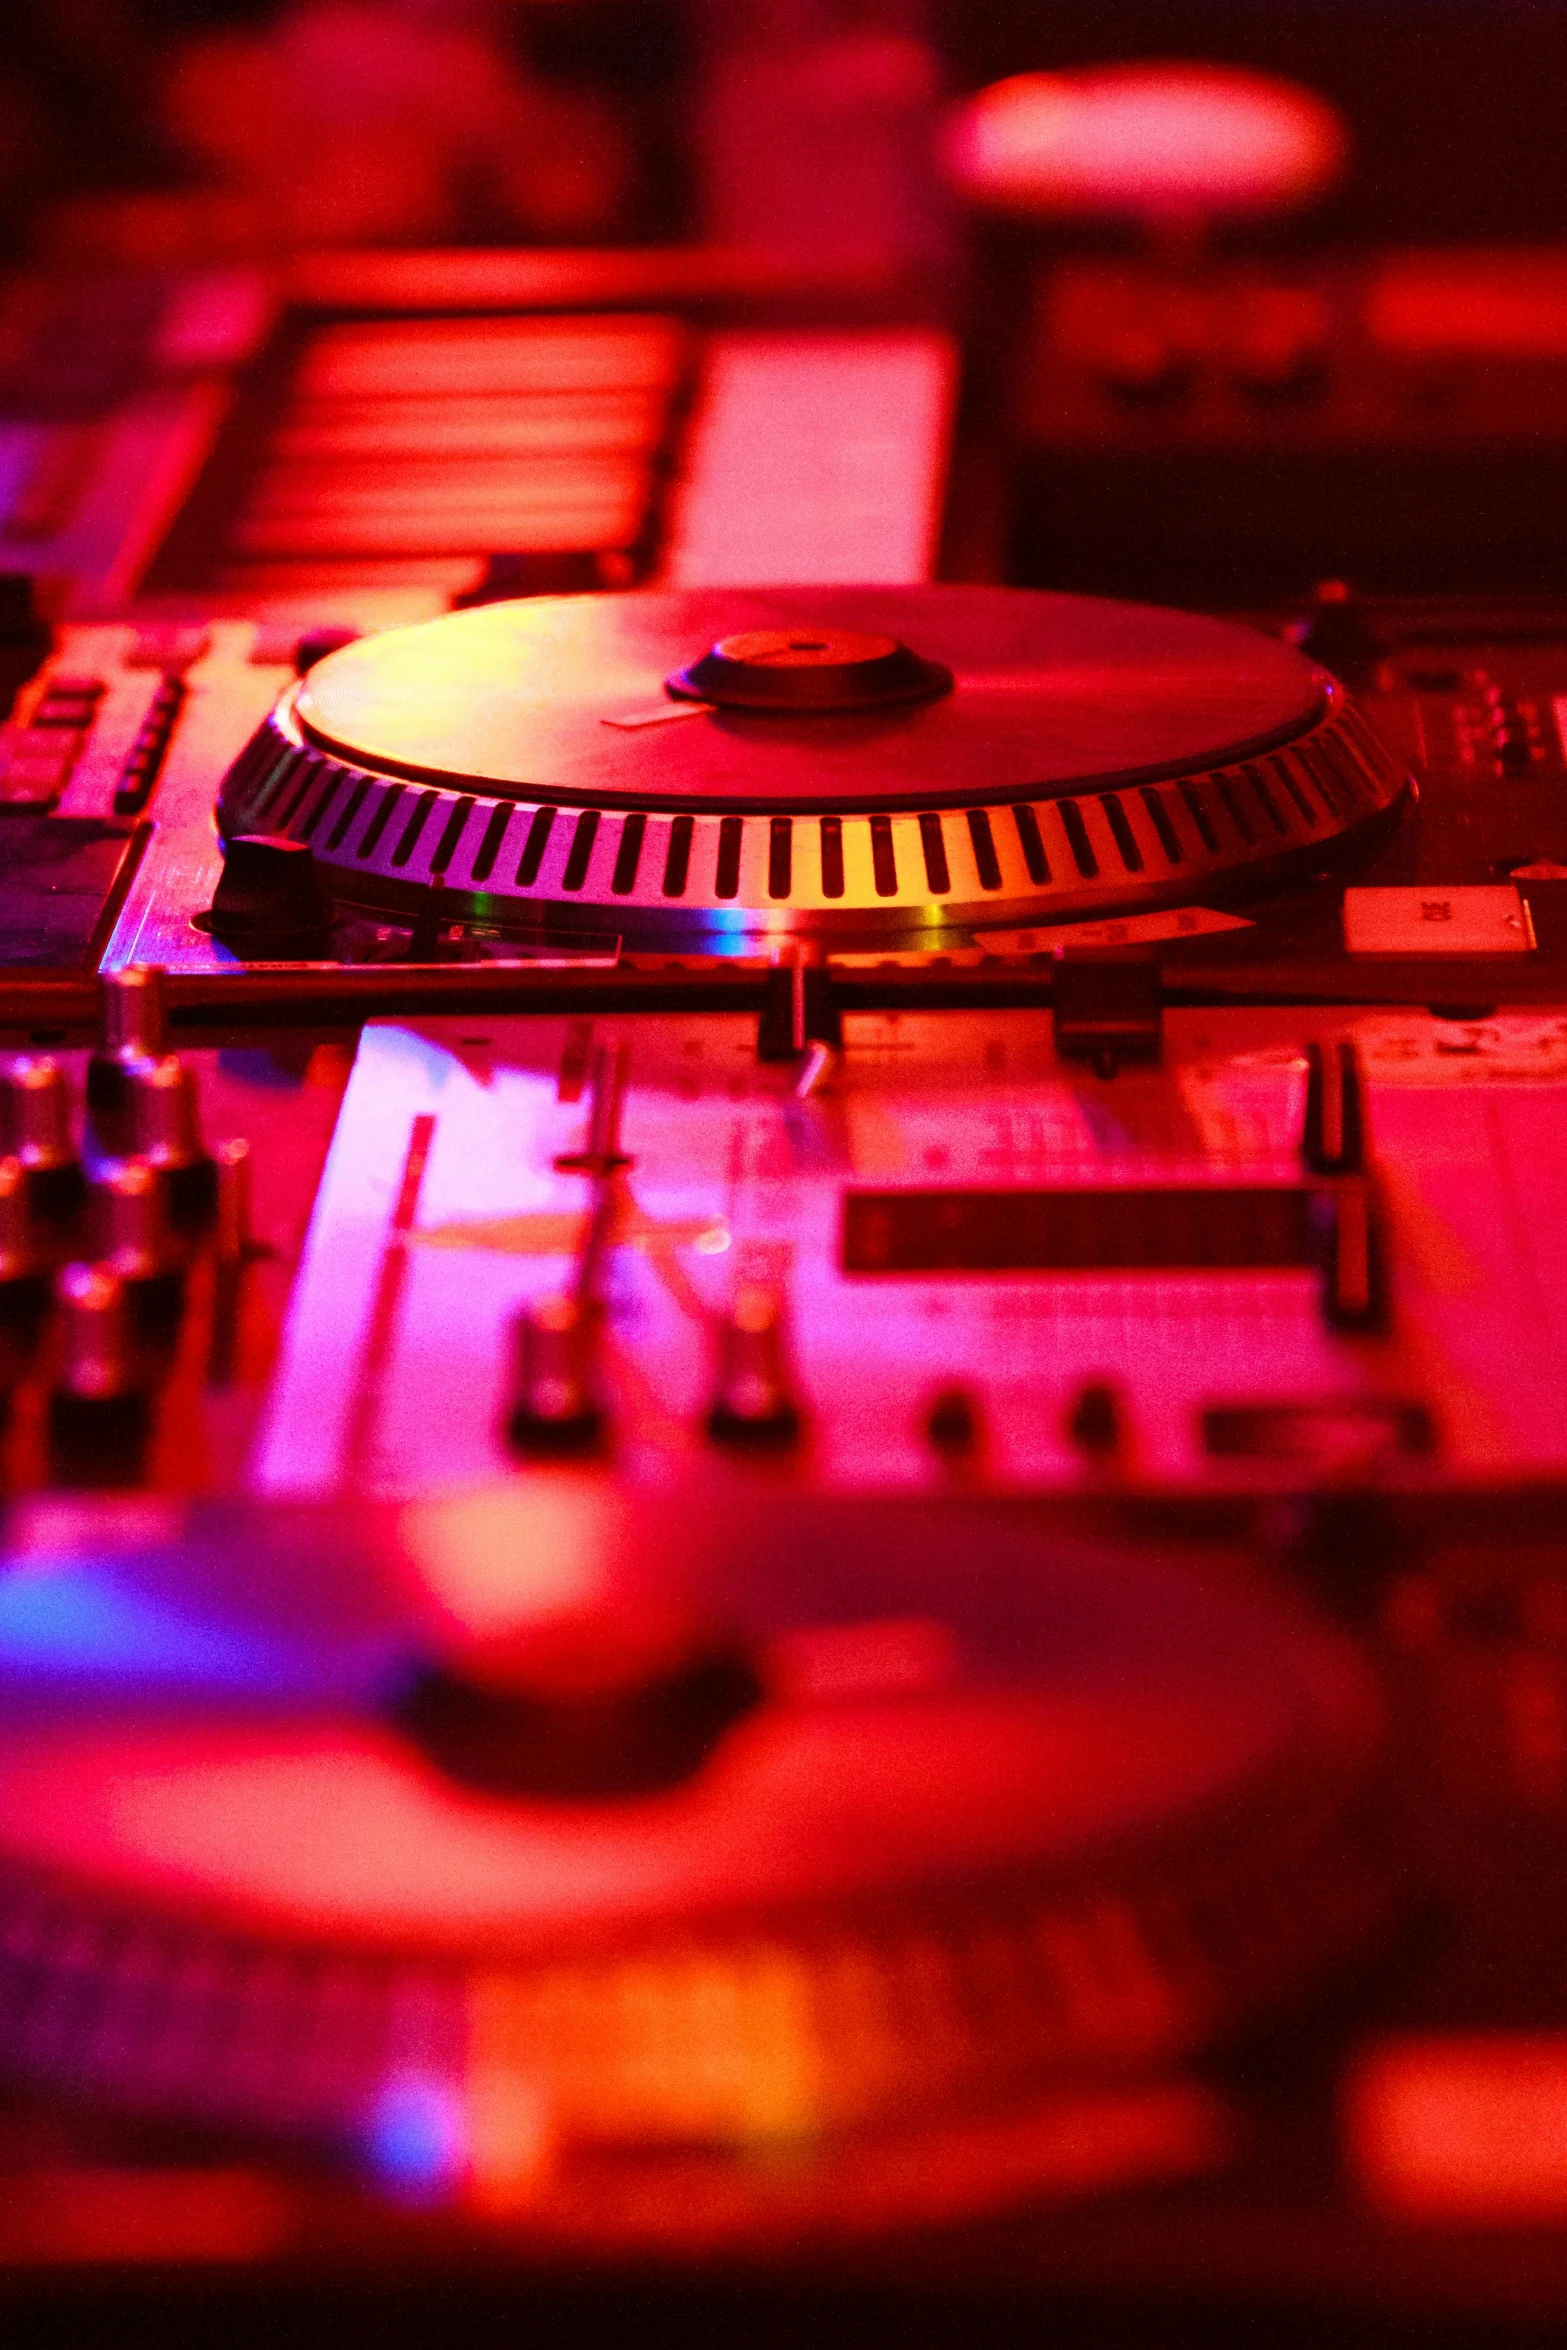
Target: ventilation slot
pixel 1159 818
pixel 780 857
pixel 1346 720
pixel 379 822
pixel 884 857
pixel 1033 845
pixel 1269 805
pixel 1370 745
pixel 1341 758
pixel 1200 817
pixel 677 861
pixel 251 764
pixel 1125 838
pixel 985 858
pixel 345 822
pixel 446 846
pixel 832 856
pixel 1327 780
pixel 289 807
pixel 1294 784
pixel 324 799
pixel 581 852
pixel 629 855
pixel 534 846
pixel 726 883
pixel 490 846
pixel 412 829
pixel 271 784
pixel 1225 787
pixel 933 842
pixel 1077 839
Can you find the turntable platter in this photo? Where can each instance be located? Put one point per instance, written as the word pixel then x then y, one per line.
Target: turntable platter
pixel 1048 694
pixel 976 1809
pixel 856 763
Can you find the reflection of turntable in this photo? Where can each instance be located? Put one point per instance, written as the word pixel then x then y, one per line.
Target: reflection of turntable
pixel 865 764
pixel 542 1830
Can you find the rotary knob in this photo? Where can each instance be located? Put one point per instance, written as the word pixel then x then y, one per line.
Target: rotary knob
pixel 556 1409
pixel 270 901
pixel 754 1407
pixel 168 1136
pixel 99 1418
pixel 135 1242
pixel 39 1114
pixel 134 1027
pixel 24 1267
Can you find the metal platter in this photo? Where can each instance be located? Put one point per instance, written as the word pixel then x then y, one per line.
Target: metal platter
pixel 650 1823
pixel 849 762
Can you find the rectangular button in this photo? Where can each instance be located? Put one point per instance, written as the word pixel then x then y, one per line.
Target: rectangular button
pixel 46 755
pixel 1485 920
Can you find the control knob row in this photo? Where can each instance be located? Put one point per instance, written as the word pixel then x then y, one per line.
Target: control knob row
pixel 556 1407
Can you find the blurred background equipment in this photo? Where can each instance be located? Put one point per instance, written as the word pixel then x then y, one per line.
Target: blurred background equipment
pixel 815 130
pixel 1173 150
pixel 342 122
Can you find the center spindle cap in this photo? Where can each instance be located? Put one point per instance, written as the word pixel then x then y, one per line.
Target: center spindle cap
pixel 808 670
pixel 590 1704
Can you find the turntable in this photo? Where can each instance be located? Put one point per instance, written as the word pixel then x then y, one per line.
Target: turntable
pixel 656 1876
pixel 858 766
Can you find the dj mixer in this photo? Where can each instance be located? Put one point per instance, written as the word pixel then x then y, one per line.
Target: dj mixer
pixel 782 1350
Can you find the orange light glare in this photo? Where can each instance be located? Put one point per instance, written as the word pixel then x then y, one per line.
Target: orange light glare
pixel 1462 2127
pixel 502 1558
pixel 1147 140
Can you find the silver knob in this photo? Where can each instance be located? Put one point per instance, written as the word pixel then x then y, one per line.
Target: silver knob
pixel 135 1012
pixel 556 1410
pixel 99 1418
pixel 134 1240
pixel 19 1251
pixel 38 1115
pixel 24 1265
pixel 133 1220
pixel 134 1029
pixel 168 1137
pixel 96 1357
pixel 754 1404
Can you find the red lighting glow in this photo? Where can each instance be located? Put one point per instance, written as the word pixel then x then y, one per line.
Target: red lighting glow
pixel 1154 141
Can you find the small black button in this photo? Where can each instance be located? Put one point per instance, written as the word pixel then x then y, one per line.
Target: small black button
pixel 269 895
